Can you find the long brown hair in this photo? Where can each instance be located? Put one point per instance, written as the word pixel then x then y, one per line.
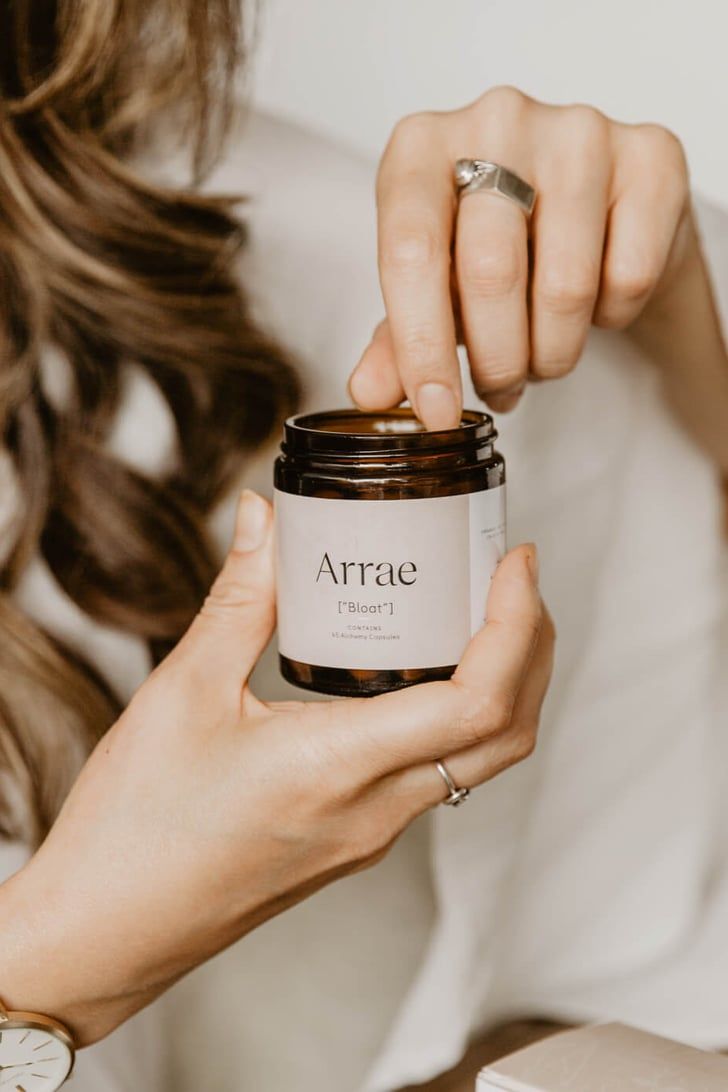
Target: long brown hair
pixel 107 272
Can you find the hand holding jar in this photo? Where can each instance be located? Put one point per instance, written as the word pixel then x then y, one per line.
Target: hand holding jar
pixel 205 811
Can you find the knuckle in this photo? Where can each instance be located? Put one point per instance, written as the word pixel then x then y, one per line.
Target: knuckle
pixel 412 130
pixel 630 281
pixel 412 138
pixel 589 127
pixel 423 351
pixel 568 288
pixel 410 249
pixel 492 273
pixel 368 838
pixel 483 715
pixel 503 98
pixel 665 157
pixel 524 741
pixel 663 143
pixel 554 364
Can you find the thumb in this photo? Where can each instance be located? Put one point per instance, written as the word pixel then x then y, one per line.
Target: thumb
pixel 375 382
pixel 237 618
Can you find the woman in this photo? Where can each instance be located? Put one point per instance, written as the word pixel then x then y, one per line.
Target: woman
pixel 428 948
pixel 108 282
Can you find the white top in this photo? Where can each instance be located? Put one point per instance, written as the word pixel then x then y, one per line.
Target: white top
pixel 590 882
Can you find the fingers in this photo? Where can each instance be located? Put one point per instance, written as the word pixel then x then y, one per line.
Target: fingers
pixel 569 227
pixel 651 198
pixel 422 786
pixel 495 662
pixel 375 383
pixel 491 261
pixel 422 723
pixel 236 621
pixel 416 214
pixel 388 805
pixel 612 200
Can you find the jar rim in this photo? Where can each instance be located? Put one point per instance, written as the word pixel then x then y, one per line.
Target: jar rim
pixel 307 432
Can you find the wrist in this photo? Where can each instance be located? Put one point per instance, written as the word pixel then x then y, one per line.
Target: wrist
pixel 51 965
pixel 680 331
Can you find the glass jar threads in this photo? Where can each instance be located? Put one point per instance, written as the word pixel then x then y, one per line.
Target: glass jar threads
pixel 386 540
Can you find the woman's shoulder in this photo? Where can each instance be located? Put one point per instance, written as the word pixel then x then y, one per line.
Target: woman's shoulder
pixel 282 164
pixel 310 263
pixel 277 139
pixel 304 194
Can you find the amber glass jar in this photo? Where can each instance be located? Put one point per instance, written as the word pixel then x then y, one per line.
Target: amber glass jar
pixel 386 536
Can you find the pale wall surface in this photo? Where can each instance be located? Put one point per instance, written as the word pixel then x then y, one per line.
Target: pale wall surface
pixel 352 67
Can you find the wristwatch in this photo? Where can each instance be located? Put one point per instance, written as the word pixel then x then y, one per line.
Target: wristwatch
pixel 36 1053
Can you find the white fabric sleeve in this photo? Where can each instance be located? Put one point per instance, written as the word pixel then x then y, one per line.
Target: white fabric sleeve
pixel 130 1060
pixel 713 226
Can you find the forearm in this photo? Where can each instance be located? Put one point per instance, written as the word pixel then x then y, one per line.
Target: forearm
pixel 51 963
pixel 680 330
pixel 90 950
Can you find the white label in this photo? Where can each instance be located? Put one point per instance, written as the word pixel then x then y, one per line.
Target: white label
pixel 385 584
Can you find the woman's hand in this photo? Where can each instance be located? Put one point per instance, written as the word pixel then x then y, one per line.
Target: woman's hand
pixel 611 230
pixel 205 811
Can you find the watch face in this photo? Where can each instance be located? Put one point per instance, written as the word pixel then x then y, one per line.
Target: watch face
pixel 32 1059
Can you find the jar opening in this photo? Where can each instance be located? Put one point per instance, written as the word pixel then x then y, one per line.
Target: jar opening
pixel 351 432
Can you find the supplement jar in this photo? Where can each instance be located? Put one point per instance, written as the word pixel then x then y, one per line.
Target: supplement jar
pixel 386 540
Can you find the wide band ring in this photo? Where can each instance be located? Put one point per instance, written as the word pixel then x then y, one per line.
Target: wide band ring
pixel 456 796
pixel 472 175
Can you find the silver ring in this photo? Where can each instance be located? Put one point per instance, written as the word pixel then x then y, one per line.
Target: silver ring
pixel 472 175
pixel 455 795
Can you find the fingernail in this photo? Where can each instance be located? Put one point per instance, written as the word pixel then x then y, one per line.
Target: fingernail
pixel 532 562
pixel 252 522
pixel 505 401
pixel 507 392
pixel 437 406
pixel 501 403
